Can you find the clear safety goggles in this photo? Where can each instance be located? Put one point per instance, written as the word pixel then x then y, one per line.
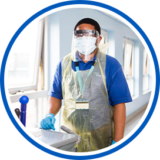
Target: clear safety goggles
pixel 86 33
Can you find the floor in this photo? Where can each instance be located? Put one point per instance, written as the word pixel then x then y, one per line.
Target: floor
pixel 131 124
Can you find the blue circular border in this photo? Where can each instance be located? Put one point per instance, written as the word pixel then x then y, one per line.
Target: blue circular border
pixel 66 4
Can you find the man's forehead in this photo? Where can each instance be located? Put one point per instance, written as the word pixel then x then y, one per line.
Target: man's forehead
pixel 85 26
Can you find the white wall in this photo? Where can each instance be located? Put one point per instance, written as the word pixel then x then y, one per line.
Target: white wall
pixel 61 26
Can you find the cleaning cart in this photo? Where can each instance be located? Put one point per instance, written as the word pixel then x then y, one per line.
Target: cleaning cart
pixel 64 141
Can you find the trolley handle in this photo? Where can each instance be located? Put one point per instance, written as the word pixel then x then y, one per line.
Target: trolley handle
pixel 17 111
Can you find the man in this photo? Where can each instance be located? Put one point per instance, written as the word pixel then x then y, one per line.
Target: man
pixel 94 90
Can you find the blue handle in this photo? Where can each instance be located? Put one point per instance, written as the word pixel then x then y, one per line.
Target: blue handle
pixel 23 100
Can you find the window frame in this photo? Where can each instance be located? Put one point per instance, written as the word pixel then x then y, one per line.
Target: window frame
pixel 31 91
pixel 39 93
pixel 39 51
pixel 129 41
pixel 146 75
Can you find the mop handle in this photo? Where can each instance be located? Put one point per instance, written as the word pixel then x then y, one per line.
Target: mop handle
pixel 71 132
pixel 23 100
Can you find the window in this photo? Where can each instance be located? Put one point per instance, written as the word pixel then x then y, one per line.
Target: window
pixel 128 48
pixel 145 71
pixel 28 71
pixel 25 57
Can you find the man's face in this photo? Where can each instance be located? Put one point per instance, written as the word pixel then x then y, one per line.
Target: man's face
pixel 85 26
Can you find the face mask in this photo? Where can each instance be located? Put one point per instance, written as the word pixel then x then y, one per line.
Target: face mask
pixel 85 45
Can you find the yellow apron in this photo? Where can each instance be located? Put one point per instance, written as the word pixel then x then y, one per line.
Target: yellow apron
pixel 94 125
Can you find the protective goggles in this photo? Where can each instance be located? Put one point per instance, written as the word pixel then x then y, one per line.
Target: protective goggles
pixel 87 33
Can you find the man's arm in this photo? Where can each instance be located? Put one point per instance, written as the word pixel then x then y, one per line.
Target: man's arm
pixel 119 116
pixel 54 105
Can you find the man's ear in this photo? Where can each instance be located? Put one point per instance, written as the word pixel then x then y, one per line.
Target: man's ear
pixel 100 38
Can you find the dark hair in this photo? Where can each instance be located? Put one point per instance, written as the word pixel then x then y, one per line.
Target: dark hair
pixel 89 21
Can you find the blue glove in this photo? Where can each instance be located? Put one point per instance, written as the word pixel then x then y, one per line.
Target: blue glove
pixel 48 122
pixel 113 142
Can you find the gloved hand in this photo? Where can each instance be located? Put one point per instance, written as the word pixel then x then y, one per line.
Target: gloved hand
pixel 113 142
pixel 48 122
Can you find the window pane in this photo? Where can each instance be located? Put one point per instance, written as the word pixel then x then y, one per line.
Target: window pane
pixel 128 64
pixel 22 58
pixel 131 86
pixel 145 71
pixel 36 110
pixel 128 60
pixel 145 83
pixel 145 62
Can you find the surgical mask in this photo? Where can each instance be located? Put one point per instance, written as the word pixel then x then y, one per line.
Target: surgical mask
pixel 85 45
